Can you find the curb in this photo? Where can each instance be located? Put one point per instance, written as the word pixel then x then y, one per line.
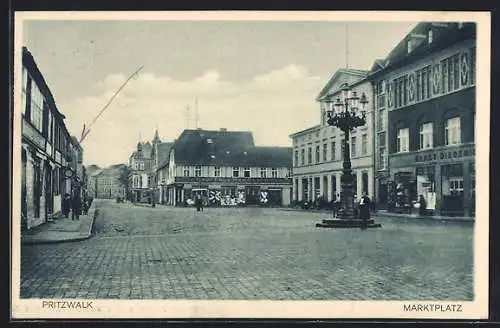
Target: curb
pixel 68 240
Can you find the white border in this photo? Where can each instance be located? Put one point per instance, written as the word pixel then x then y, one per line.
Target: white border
pixel 477 309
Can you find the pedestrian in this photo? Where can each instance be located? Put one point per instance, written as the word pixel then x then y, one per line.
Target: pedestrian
pixel 76 205
pixel 66 205
pixel 422 206
pixel 336 206
pixel 364 210
pixel 198 203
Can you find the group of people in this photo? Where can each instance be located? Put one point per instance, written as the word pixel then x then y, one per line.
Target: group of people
pixel 77 203
pixel 364 207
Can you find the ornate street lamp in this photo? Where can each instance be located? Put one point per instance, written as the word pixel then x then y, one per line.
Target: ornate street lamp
pixel 347 113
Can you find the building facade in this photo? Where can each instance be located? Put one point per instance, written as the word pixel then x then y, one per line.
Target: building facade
pixel 424 93
pixel 226 169
pixel 49 154
pixel 318 151
pixel 140 165
pixel 108 183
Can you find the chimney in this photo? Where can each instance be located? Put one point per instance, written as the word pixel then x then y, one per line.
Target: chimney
pixel 223 129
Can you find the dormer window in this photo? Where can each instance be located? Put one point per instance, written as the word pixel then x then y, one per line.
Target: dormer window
pixel 209 141
pixel 408 46
pixel 460 25
pixel 430 36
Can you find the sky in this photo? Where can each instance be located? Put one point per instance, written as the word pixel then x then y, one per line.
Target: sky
pixel 259 76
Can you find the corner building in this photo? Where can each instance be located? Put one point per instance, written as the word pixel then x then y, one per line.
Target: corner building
pixel 424 93
pixel 318 151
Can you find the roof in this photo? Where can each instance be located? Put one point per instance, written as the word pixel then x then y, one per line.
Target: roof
pixel 312 128
pixel 231 148
pixel 164 153
pixel 92 169
pixel 113 170
pixel 29 62
pixel 444 34
pixel 145 152
pixel 348 71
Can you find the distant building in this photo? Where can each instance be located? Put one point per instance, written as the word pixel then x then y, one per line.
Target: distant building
pixel 225 168
pixel 318 151
pixel 140 165
pixel 108 183
pixel 160 157
pixel 425 113
pixel 49 154
pixel 92 171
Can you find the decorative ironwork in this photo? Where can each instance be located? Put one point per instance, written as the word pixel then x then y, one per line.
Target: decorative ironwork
pixel 347 115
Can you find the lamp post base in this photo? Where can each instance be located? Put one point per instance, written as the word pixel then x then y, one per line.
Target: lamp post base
pixel 343 223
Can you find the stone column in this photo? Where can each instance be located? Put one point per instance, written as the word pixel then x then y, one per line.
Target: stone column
pixel 337 180
pixel 467 202
pixel 438 188
pixel 321 185
pixel 311 188
pixel 359 183
pixel 371 189
pixel 300 188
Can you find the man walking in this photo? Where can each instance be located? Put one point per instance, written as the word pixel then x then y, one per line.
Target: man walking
pixel 364 210
pixel 76 205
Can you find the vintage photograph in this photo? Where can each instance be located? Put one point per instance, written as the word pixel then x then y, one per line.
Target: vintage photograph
pixel 191 161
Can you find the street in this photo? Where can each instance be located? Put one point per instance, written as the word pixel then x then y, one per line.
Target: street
pixel 139 252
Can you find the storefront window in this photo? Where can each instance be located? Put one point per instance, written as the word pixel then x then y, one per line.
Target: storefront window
pixel 246 172
pixel 197 171
pixel 263 172
pixel 426 186
pixel 274 172
pixel 236 172
pixel 452 186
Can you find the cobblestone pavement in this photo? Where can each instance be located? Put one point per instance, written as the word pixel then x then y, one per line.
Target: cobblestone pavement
pixel 141 252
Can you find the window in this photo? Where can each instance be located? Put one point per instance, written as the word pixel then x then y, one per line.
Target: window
pixel 452 131
pixel 309 156
pixel 456 185
pixel 217 171
pixel 381 120
pixel 236 172
pixel 186 171
pixel 296 159
pixel 409 46
pixel 380 89
pixel 426 140
pixel 353 147
pixel 430 36
pixel 403 139
pixel 36 107
pixel 302 156
pixel 364 144
pixel 246 172
pixel 274 172
pixel 317 154
pixel 197 171
pixel 325 151
pixel 263 172
pixel 332 154
pixel 24 91
pixel 381 158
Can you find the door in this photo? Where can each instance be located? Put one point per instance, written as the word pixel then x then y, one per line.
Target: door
pixel 49 200
pixel 252 195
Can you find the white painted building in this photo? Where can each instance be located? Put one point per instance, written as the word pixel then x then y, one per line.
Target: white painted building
pixel 318 150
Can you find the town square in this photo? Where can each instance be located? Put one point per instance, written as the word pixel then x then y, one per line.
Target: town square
pixel 247 160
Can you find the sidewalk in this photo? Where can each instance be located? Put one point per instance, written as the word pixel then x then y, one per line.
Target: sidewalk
pixel 383 213
pixel 61 230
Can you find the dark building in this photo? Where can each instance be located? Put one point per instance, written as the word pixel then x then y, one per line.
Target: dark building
pixel 226 169
pixel 425 117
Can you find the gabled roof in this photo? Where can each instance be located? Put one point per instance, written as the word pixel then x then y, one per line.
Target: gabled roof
pixel 348 71
pixel 164 153
pixel 113 170
pixel 29 62
pixel 444 34
pixel 226 148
